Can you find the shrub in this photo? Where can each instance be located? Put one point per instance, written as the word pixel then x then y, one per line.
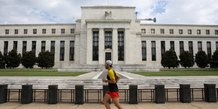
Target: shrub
pixel 169 59
pixel 201 59
pixel 186 59
pixel 29 59
pixel 45 59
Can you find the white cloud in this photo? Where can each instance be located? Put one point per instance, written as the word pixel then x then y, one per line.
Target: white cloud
pixel 66 11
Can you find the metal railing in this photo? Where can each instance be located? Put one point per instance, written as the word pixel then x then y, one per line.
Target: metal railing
pixel 96 95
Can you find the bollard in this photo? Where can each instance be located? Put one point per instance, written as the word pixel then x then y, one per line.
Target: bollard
pixel 160 94
pixel 52 95
pixel 3 93
pixel 79 97
pixel 133 94
pixel 26 94
pixel 210 92
pixel 185 93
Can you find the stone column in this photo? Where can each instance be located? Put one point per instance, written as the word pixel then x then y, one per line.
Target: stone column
pixel 29 45
pixel 67 51
pixel 57 52
pixel 158 51
pixel 89 46
pixel 2 46
pixel 48 45
pixel 10 45
pixel 177 47
pixel 213 46
pixel 115 46
pixel 186 45
pixel 167 42
pixel 101 56
pixel 38 47
pixel 204 46
pixel 19 46
pixel 195 47
pixel 148 48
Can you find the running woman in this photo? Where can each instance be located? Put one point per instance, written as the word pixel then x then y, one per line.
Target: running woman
pixel 113 93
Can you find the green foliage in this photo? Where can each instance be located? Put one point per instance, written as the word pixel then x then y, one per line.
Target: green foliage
pixel 29 59
pixel 186 59
pixel 12 59
pixel 214 61
pixel 2 61
pixel 45 59
pixel 201 59
pixel 169 59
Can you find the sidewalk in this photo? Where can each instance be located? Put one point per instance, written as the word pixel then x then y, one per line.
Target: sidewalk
pixel 194 105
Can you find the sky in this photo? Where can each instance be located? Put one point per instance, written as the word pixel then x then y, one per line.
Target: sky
pixel 67 11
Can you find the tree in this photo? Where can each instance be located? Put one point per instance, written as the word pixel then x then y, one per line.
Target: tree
pixel 12 59
pixel 201 59
pixel 45 59
pixel 29 59
pixel 2 61
pixel 214 61
pixel 186 59
pixel 169 59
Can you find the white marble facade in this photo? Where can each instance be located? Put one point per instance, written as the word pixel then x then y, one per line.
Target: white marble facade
pixel 112 19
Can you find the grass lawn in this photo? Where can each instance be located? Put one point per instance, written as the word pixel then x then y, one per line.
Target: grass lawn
pixel 36 72
pixel 181 72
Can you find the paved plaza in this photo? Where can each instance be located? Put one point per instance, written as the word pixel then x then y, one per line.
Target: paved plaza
pixel 92 80
pixel 194 105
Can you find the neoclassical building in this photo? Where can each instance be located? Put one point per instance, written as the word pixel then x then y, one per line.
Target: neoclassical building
pixel 108 33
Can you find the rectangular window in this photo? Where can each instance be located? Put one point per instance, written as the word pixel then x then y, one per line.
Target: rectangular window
pixel 25 31
pixel 216 32
pixel 53 31
pixel 153 50
pixel 152 31
pixel 216 45
pixel 43 31
pixel 120 45
pixel 52 49
pixel 43 44
pixel 72 31
pixel 62 50
pixel 198 31
pixel 144 51
pixel 162 31
pixel 163 48
pixel 171 31
pixel 143 30
pixel 95 35
pixel 172 45
pixel 6 31
pixel 5 47
pixel 190 46
pixel 71 50
pixel 34 47
pixel 16 31
pixel 62 31
pixel 15 45
pixel 181 46
pixel 108 39
pixel 209 49
pixel 199 46
pixel 180 31
pixel 24 48
pixel 189 31
pixel 207 32
pixel 34 31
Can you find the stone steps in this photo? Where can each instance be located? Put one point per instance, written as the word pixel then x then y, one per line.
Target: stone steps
pixel 69 83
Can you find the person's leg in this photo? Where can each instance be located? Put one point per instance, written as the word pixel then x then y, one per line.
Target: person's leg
pixel 105 101
pixel 116 102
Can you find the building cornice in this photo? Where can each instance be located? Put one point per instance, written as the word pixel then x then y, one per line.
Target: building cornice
pixel 167 36
pixel 108 21
pixel 108 7
pixel 188 25
pixel 55 24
